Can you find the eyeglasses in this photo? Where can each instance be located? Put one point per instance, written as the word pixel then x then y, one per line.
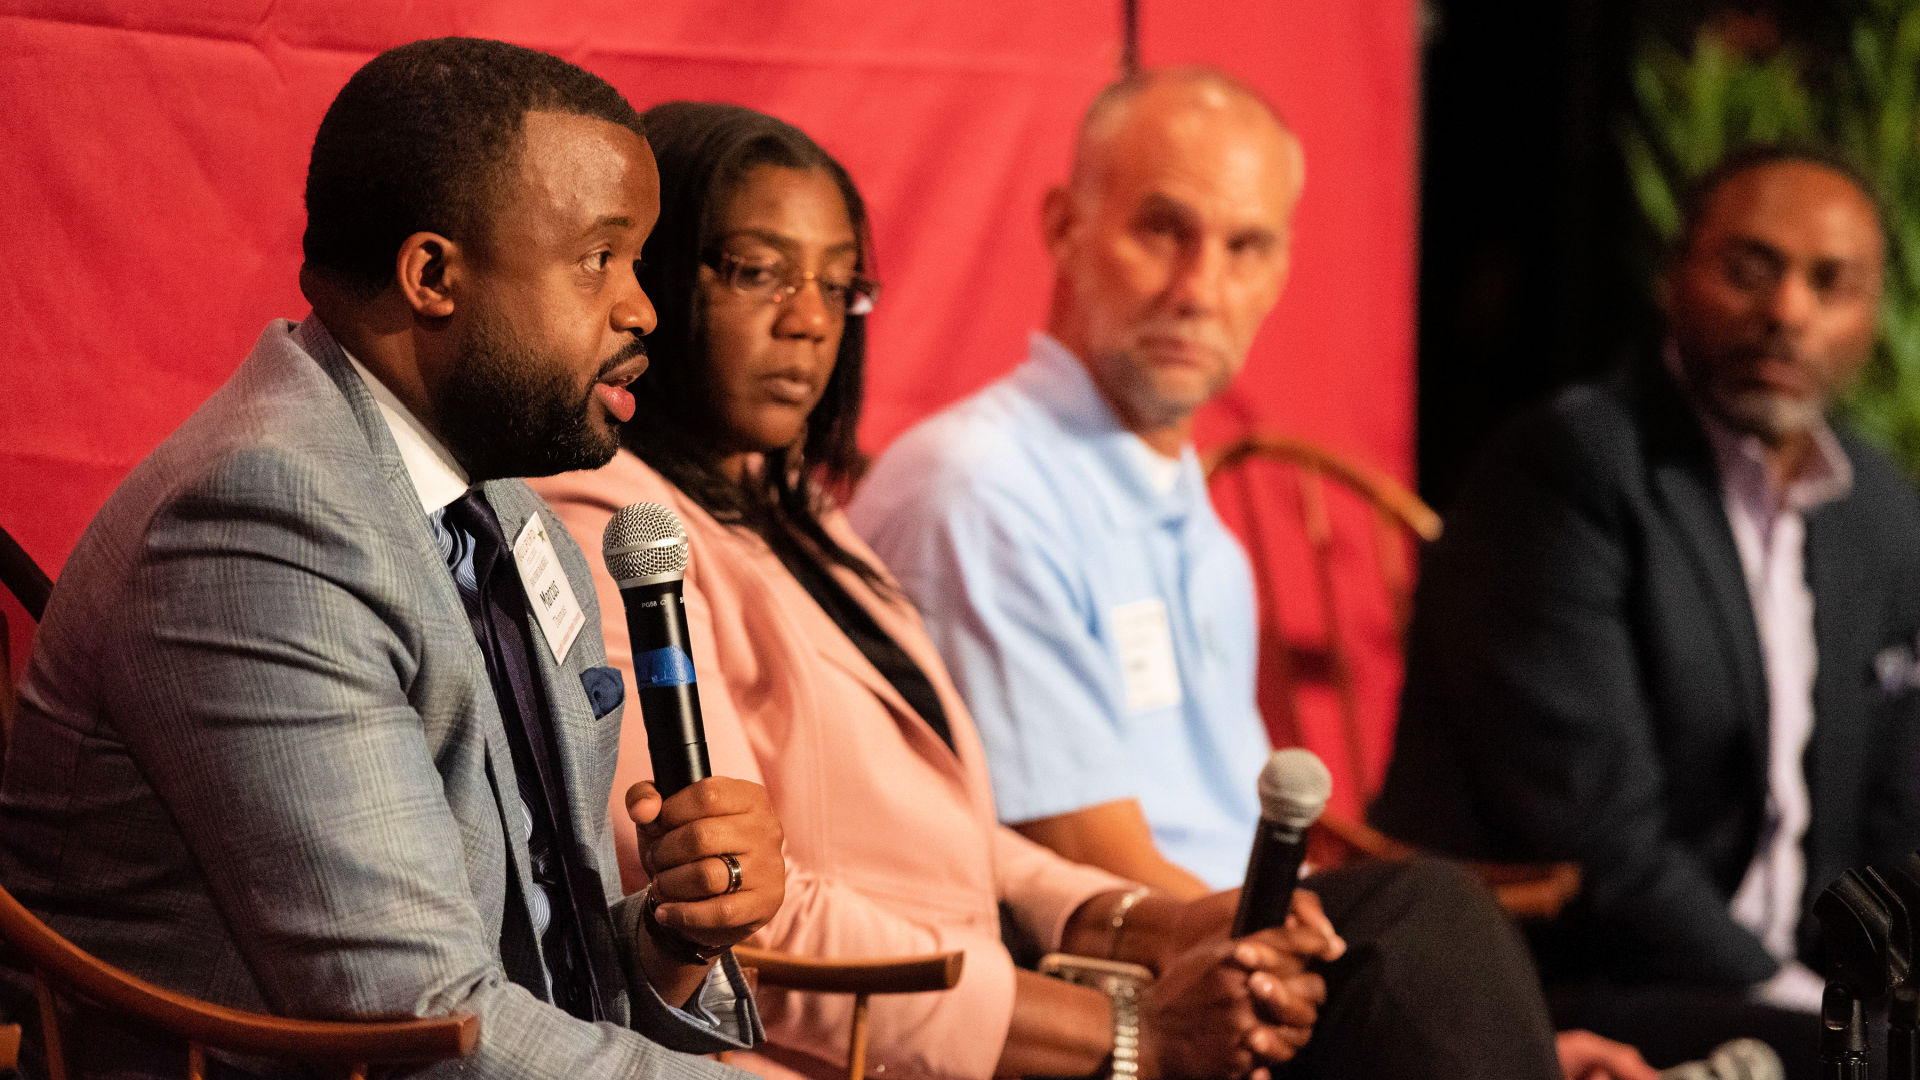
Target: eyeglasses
pixel 775 281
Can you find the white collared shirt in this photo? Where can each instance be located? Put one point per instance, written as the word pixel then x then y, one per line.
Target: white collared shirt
pixel 1770 531
pixel 437 478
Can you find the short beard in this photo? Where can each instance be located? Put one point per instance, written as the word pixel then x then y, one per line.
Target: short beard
pixel 505 412
pixel 1772 419
pixel 1143 397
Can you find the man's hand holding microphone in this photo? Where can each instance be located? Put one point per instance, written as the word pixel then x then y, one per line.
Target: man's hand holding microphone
pixel 716 875
pixel 710 844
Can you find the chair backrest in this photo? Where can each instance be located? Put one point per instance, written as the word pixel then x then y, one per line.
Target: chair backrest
pixel 64 971
pixel 8 703
pixel 1397 519
pixel 23 577
pixel 28 584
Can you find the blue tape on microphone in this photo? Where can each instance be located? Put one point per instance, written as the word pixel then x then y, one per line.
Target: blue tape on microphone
pixel 662 667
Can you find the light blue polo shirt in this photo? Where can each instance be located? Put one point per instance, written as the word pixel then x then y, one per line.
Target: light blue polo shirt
pixel 1100 627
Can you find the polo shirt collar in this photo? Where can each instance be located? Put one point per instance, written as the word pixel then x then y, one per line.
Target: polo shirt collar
pixel 1055 378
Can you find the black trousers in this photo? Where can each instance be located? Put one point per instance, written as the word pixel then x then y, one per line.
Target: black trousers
pixel 1436 982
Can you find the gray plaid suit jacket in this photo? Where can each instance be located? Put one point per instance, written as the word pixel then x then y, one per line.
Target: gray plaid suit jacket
pixel 259 761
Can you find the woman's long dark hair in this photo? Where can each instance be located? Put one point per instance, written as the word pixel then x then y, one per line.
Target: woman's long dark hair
pixel 705 151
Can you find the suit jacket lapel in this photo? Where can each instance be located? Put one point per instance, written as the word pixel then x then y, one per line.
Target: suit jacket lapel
pixel 578 735
pixel 1840 579
pixel 439 589
pixel 835 646
pixel 902 623
pixel 838 648
pixel 1686 482
pixel 584 746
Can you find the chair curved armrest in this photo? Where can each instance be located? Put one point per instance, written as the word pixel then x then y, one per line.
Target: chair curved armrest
pixel 1382 490
pixel 1526 890
pixel 75 972
pixel 1334 838
pixel 1533 890
pixel 874 975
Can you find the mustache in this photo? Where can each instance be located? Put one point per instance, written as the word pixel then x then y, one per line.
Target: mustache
pixel 634 348
pixel 1183 332
pixel 1774 346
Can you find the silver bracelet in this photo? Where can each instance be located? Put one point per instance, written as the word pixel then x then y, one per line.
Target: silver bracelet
pixel 1117 922
pixel 1124 1062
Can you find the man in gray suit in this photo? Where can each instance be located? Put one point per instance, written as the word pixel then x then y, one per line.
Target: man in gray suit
pixel 318 721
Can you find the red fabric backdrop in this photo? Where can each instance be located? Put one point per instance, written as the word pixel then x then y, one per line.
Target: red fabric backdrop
pixel 152 155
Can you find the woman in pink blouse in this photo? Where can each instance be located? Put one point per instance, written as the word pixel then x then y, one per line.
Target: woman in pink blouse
pixel 816 679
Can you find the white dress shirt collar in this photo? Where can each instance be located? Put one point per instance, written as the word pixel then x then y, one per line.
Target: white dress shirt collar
pixel 437 478
pixel 1826 476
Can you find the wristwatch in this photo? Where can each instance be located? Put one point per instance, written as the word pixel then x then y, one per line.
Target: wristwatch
pixel 1124 1063
pixel 670 941
pixel 1122 983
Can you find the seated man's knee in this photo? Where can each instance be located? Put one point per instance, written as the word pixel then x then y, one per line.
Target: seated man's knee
pixel 1439 888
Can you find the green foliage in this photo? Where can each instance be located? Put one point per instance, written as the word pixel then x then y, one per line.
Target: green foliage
pixel 1694 108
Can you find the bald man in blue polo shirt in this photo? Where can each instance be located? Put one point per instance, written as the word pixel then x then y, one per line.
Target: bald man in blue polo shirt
pixel 1056 534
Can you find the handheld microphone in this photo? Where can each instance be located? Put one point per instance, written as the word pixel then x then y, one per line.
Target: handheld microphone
pixel 1740 1059
pixel 645 548
pixel 1293 790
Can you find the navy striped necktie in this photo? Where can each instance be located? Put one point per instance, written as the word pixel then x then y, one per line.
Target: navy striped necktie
pixel 476 552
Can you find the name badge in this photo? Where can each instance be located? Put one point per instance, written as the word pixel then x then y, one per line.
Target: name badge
pixel 548 591
pixel 1147 664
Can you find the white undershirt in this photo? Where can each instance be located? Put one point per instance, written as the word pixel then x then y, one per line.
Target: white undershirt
pixel 1162 472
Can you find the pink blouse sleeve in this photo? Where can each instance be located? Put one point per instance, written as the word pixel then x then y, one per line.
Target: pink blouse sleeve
pixel 956 1034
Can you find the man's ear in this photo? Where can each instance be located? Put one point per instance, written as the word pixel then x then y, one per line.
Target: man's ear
pixel 425 269
pixel 1059 214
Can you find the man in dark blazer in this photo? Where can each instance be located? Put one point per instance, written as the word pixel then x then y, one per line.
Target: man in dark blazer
pixel 318 722
pixel 1669 632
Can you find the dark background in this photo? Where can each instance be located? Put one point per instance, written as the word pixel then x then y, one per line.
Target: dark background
pixel 1533 258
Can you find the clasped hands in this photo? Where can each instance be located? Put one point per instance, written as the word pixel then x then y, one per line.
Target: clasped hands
pixel 1225 1007
pixel 1219 1007
pixel 695 845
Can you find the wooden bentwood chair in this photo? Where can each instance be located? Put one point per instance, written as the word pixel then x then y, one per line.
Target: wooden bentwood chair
pixel 1398 521
pixel 62 970
pixel 861 978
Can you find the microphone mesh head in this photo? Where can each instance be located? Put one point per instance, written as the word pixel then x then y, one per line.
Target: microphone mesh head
pixel 1746 1059
pixel 1294 788
pixel 644 541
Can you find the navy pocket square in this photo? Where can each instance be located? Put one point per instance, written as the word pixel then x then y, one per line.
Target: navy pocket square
pixel 604 689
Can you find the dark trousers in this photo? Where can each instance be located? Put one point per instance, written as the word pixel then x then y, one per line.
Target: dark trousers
pixel 1671 1024
pixel 1436 982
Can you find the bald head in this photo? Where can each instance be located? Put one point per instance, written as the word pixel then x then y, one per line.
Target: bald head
pixel 1170 240
pixel 1195 89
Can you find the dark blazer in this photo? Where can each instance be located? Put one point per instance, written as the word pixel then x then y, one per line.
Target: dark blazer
pixel 1584 681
